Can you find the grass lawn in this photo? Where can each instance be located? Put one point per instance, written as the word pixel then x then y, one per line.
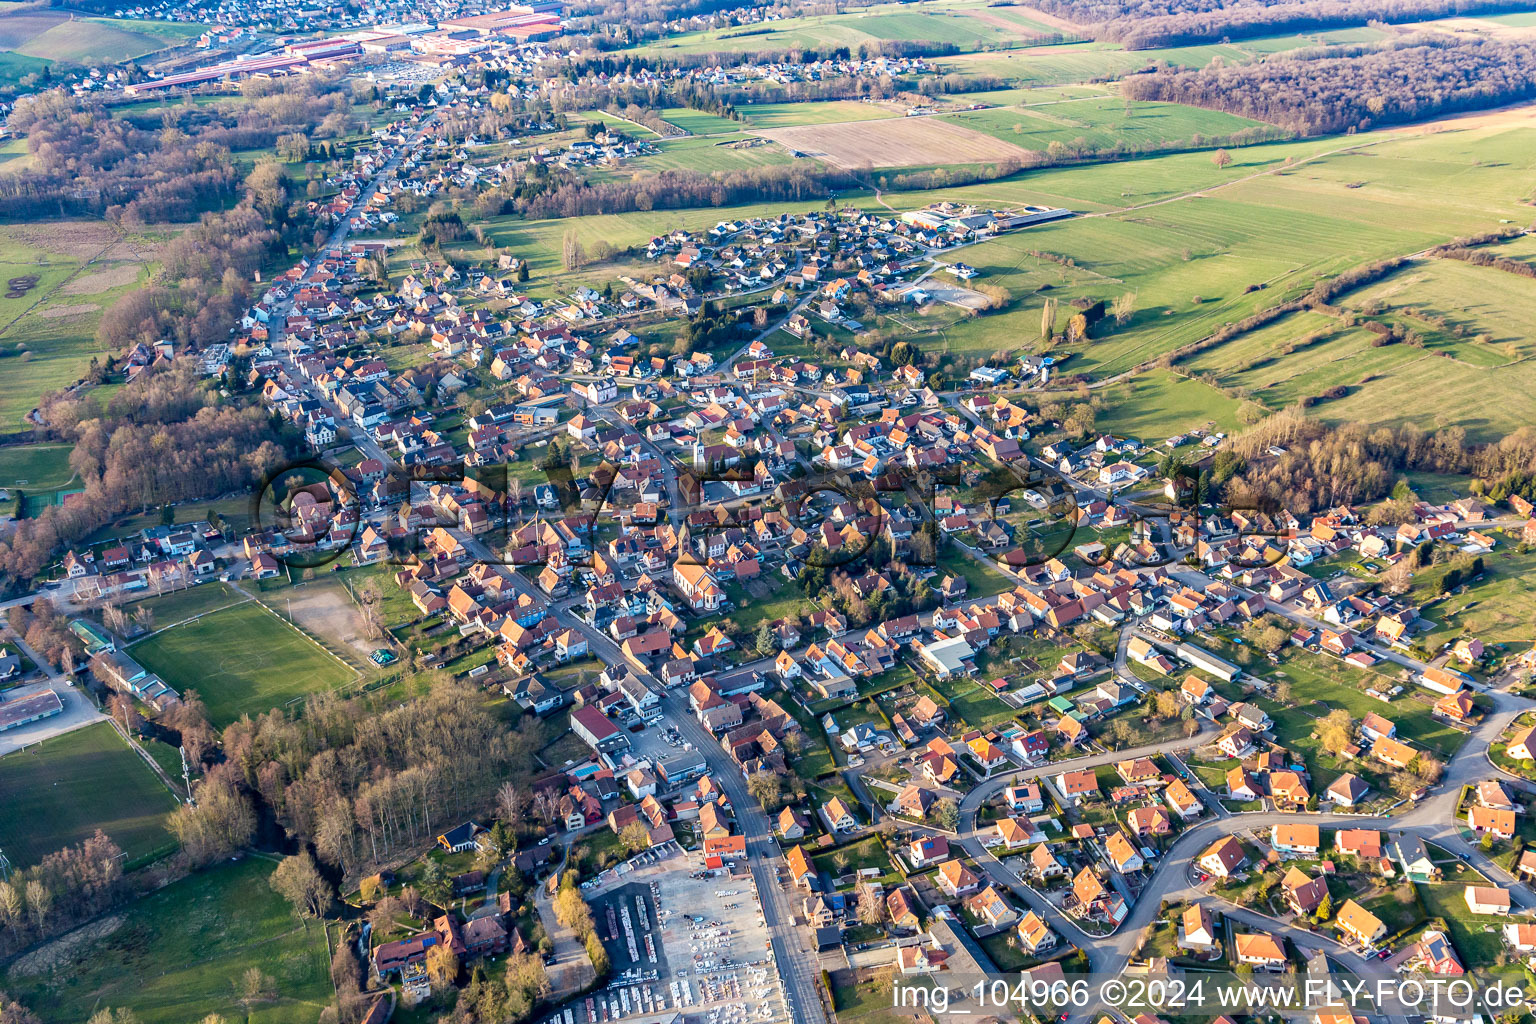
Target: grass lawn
pixel 1476 937
pixel 866 853
pixel 967 699
pixel 61 790
pixel 982 579
pixel 1315 678
pixel 1498 608
pixel 870 1002
pixel 174 953
pixel 241 660
pixel 1397 908
pixel 815 758
pixel 766 599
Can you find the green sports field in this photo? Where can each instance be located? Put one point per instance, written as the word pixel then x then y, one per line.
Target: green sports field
pixel 35 467
pixel 240 660
pixel 61 790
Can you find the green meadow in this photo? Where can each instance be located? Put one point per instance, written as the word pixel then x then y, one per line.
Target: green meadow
pixel 174 956
pixel 1101 123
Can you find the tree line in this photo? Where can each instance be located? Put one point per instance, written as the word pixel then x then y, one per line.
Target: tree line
pixel 1341 89
pixel 1354 463
pixel 64 889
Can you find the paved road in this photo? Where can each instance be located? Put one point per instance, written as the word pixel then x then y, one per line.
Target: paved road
pixel 78 711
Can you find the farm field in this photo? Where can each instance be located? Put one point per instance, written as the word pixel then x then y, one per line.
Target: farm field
pixel 1103 123
pixel 1482 401
pixel 54 794
pixel 903 142
pixel 1199 246
pixel 1095 188
pixel 58 281
pixel 15 66
pixel 171 956
pixel 1193 256
pixel 709 153
pixel 241 660
pixel 1159 404
pixel 1303 364
pixel 1521 247
pixel 105 40
pixel 1473 301
pixel 1081 62
pixel 788 115
pixel 697 122
pixel 639 131
pixel 967 24
pixel 1033 96
pixel 51 35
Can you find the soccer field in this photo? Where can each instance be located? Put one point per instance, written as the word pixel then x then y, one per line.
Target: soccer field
pixel 240 660
pixel 61 790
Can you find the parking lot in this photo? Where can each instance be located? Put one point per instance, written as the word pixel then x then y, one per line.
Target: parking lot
pixel 682 940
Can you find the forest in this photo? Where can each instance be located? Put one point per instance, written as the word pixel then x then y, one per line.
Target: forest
pixel 88 163
pixel 1143 24
pixel 1354 88
pixel 364 781
pixel 1355 463
pixel 163 438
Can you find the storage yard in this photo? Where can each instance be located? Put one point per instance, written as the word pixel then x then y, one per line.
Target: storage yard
pixel 683 940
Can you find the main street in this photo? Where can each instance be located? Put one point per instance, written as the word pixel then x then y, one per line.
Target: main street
pixel 797 963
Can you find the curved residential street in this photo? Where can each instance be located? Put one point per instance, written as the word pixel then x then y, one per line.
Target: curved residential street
pixel 1430 819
